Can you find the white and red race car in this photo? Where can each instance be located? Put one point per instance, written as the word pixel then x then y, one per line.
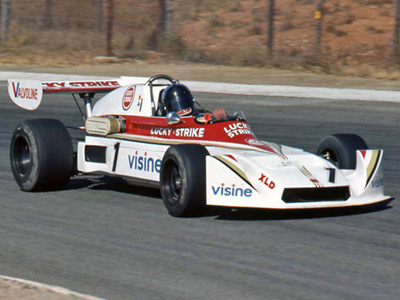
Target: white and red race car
pixel 197 158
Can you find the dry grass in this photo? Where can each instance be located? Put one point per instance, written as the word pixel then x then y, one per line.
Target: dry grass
pixel 356 35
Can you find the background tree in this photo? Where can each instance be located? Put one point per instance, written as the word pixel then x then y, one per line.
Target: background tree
pixel 165 24
pixel 110 24
pixel 318 17
pixel 99 15
pixel 5 17
pixel 395 40
pixel 47 17
pixel 270 37
pixel 166 18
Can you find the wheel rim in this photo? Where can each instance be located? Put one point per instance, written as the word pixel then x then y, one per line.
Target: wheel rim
pixel 174 183
pixel 22 156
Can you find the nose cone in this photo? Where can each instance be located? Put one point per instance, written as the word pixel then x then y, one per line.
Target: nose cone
pixel 296 169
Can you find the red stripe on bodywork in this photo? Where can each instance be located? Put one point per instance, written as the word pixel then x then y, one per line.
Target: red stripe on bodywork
pixel 231 156
pixel 157 127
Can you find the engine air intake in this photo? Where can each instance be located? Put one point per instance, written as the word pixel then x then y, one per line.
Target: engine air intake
pixel 103 126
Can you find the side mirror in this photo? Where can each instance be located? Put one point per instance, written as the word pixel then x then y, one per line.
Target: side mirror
pixel 173 118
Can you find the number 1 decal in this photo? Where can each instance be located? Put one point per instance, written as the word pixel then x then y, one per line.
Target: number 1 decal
pixel 332 174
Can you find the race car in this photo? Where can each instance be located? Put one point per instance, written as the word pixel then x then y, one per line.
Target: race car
pixel 156 134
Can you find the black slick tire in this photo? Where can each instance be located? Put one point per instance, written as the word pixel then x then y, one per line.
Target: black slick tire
pixel 183 179
pixel 41 155
pixel 340 149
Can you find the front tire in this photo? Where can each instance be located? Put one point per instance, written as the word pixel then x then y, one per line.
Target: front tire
pixel 183 179
pixel 41 155
pixel 340 149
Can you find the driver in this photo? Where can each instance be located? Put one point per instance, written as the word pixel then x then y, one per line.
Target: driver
pixel 177 98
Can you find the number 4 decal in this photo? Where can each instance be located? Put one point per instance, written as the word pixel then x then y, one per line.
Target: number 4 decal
pixel 140 102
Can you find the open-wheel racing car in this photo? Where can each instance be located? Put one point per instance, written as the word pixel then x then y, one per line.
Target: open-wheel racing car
pixel 156 134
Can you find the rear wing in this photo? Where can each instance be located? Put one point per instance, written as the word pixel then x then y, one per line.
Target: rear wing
pixel 28 94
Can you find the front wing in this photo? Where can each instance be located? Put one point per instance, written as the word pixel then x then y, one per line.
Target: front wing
pixel 228 185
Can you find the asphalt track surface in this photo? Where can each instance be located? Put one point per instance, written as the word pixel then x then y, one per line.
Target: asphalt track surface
pixel 103 237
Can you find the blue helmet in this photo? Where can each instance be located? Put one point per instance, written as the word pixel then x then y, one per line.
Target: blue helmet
pixel 177 97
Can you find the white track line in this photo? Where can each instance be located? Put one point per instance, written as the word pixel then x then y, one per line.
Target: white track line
pixel 51 288
pixel 238 89
pixel 296 91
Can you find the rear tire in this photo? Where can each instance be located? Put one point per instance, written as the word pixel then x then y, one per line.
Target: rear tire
pixel 183 179
pixel 41 155
pixel 340 149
